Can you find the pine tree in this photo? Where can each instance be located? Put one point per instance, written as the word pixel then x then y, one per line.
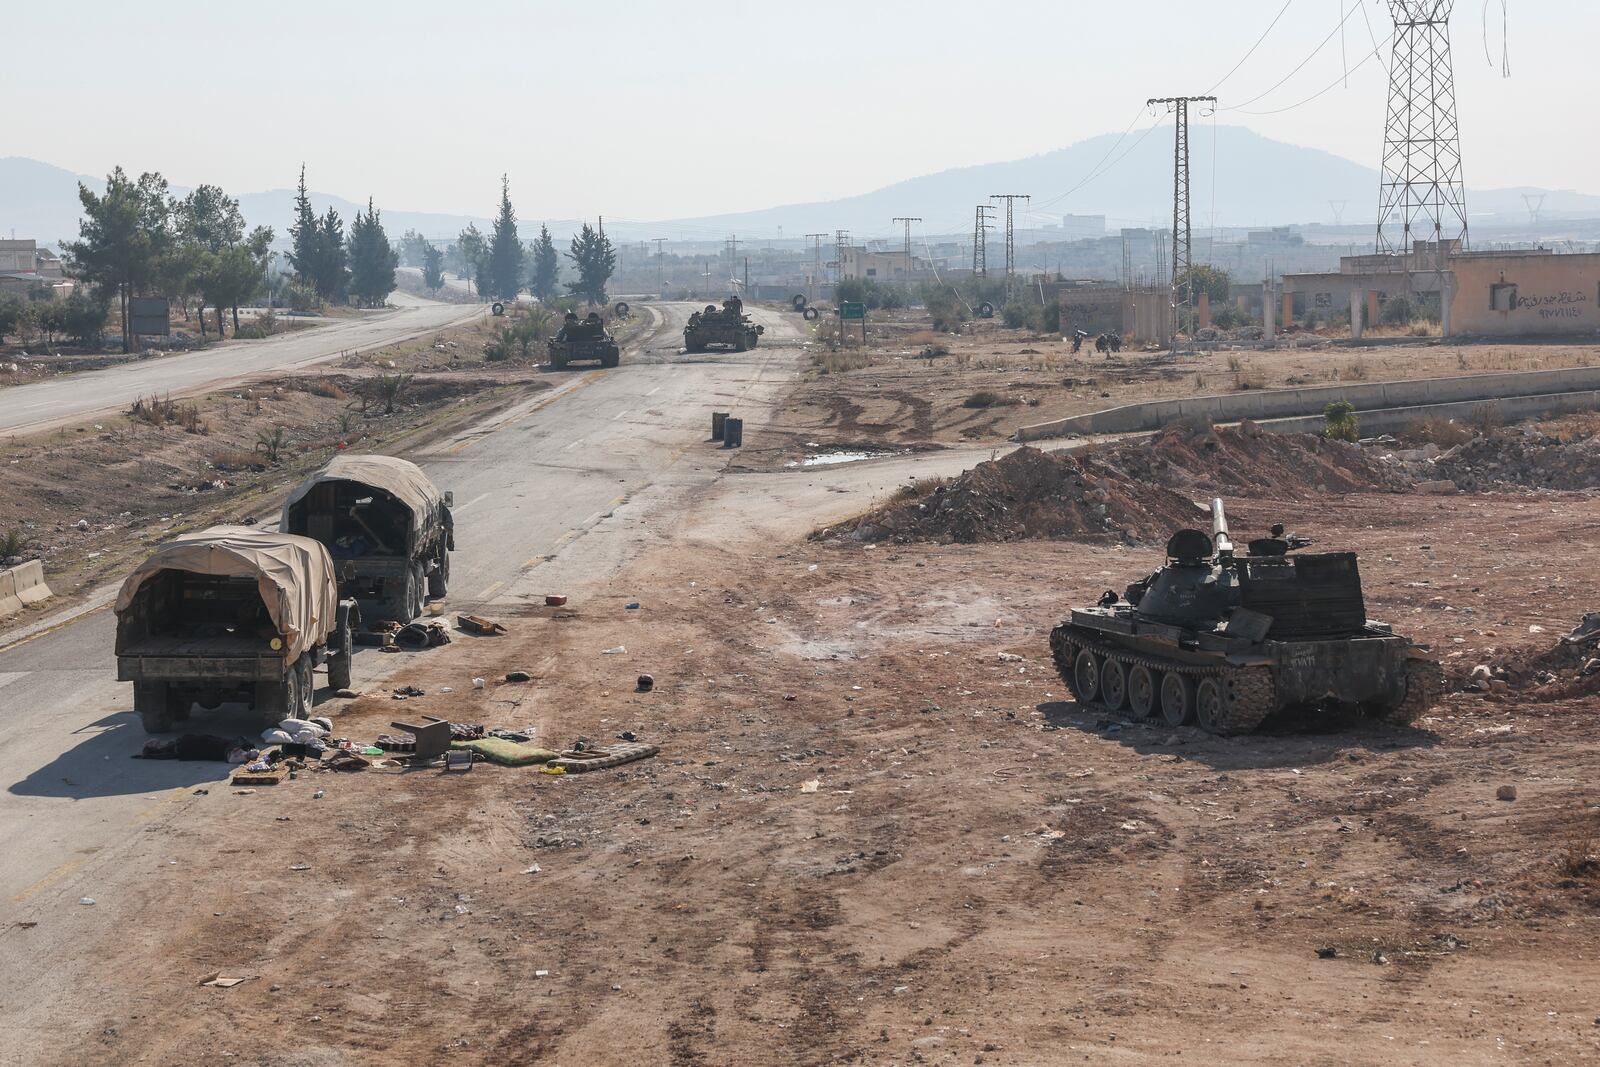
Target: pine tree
pixel 412 248
pixel 546 273
pixel 123 237
pixel 332 274
pixel 372 260
pixel 471 248
pixel 306 235
pixel 432 267
pixel 596 261
pixel 505 251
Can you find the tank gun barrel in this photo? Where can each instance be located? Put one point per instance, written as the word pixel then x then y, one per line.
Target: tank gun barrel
pixel 1219 528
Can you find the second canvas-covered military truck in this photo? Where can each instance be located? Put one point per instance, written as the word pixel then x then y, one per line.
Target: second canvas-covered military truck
pixel 387 526
pixel 232 614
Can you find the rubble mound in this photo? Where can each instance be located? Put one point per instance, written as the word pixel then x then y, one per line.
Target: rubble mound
pixel 1569 668
pixel 1527 459
pixel 1247 460
pixel 1027 494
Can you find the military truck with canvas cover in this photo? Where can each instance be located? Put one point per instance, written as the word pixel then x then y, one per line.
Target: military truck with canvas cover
pixel 232 614
pixel 386 525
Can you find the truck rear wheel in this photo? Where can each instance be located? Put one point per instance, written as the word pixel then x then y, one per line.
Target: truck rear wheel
pixel 339 657
pixel 153 702
pixel 439 580
pixel 415 593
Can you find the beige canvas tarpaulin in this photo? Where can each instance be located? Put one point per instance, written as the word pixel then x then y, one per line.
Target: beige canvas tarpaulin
pixel 402 480
pixel 294 575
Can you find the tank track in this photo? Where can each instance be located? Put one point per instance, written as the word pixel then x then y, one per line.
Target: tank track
pixel 1424 687
pixel 1250 692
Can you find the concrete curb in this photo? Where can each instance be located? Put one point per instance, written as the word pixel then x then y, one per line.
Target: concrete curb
pixel 21 586
pixel 1282 403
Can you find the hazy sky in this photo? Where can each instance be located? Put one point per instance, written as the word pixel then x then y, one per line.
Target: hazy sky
pixel 656 110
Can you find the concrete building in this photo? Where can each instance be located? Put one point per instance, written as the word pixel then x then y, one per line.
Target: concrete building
pixel 1142 314
pixel 884 266
pixel 24 266
pixel 1523 292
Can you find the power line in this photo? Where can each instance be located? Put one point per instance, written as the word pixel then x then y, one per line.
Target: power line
pixel 1319 93
pixel 1298 67
pixel 1253 48
pixel 1182 260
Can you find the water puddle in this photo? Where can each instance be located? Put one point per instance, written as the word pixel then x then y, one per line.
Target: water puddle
pixel 829 459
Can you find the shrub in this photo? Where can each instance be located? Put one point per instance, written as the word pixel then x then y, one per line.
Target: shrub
pixel 14 315
pixel 249 332
pixel 301 298
pixel 985 398
pixel 12 542
pixel 1340 422
pixel 271 445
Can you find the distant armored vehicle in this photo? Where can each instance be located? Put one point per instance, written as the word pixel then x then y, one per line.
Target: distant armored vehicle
pixel 386 525
pixel 1226 640
pixel 232 614
pixel 580 339
pixel 729 327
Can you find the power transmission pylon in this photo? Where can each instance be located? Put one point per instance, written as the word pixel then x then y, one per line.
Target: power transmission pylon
pixel 1338 207
pixel 1535 204
pixel 1011 240
pixel 841 241
pixel 660 266
pixel 980 242
pixel 816 264
pixel 1422 193
pixel 1182 262
pixel 908 220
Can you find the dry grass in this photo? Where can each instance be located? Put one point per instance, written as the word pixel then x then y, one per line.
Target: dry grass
pixel 839 362
pixel 1436 429
pixel 168 412
pixel 1353 372
pixel 1579 859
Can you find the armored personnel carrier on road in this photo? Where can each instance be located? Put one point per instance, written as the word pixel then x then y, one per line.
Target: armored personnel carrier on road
pixel 1225 640
pixel 729 327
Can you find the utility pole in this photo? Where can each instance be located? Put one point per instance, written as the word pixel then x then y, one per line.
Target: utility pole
pixel 733 261
pixel 980 242
pixel 661 275
pixel 1011 240
pixel 841 241
pixel 816 264
pixel 908 220
pixel 1182 261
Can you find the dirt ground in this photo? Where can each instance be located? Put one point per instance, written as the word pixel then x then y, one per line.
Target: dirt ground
pixel 893 395
pixel 870 837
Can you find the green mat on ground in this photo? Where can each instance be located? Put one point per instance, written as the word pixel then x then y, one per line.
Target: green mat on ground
pixel 506 753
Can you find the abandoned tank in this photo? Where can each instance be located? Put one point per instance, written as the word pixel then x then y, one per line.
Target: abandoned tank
pixel 1224 640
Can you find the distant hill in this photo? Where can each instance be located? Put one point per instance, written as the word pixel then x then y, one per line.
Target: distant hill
pixel 1258 182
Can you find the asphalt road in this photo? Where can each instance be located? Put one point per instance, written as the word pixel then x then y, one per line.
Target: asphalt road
pixel 28 408
pixel 566 485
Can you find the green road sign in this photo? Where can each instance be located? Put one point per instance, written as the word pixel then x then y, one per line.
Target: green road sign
pixel 848 310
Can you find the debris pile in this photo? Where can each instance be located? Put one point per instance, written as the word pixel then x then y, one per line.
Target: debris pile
pixel 1027 494
pixel 1245 460
pixel 1135 491
pixel 1528 459
pixel 1569 668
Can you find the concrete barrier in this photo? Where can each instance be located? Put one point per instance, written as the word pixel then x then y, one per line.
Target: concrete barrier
pixel 1510 409
pixel 21 586
pixel 1282 403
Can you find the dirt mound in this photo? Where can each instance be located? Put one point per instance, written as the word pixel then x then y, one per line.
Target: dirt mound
pixel 1028 494
pixel 1247 460
pixel 1527 459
